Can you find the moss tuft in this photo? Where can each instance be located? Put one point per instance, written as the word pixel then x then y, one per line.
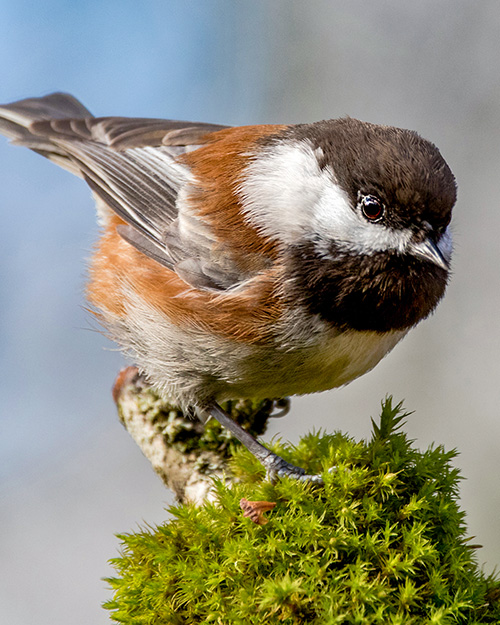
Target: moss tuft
pixel 382 542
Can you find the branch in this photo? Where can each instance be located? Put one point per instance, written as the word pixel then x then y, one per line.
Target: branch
pixel 185 453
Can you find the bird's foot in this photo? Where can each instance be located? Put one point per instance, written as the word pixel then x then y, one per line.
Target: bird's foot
pixel 277 467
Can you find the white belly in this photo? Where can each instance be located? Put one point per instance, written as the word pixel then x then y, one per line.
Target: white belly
pixel 333 361
pixel 191 366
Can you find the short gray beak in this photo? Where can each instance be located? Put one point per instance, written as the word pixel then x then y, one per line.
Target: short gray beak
pixel 428 250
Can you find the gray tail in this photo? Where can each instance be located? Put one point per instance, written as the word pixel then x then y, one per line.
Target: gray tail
pixel 17 120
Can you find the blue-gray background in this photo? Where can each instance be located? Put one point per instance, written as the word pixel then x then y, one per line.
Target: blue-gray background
pixel 70 475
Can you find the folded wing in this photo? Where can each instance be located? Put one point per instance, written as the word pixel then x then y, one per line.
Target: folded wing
pixel 132 166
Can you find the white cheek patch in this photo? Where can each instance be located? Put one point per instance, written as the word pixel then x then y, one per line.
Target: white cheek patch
pixel 280 190
pixel 288 197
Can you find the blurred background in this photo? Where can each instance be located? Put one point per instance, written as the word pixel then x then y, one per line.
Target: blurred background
pixel 70 475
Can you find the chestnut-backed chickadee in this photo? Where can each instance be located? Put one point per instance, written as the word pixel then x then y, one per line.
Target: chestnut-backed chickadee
pixel 258 261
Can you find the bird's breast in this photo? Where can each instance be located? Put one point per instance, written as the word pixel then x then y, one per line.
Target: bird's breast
pixel 192 365
pixel 322 361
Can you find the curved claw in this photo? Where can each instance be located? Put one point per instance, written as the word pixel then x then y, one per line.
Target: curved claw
pixel 281 407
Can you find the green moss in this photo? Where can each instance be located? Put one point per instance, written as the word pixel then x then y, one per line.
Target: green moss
pixel 382 542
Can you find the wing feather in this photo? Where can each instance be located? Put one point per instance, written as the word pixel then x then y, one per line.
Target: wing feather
pixel 132 166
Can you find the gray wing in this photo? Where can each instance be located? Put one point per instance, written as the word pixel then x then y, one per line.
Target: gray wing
pixel 131 165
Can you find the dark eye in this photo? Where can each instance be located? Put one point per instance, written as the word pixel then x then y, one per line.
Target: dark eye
pixel 371 207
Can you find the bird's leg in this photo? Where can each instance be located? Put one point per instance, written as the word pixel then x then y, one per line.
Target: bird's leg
pixel 274 464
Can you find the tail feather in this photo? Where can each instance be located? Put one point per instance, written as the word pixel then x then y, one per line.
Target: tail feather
pixel 16 122
pixel 54 106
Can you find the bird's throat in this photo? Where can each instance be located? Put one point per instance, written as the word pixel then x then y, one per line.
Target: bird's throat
pixel 379 292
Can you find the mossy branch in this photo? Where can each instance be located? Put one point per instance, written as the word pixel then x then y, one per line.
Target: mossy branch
pixel 382 542
pixel 185 453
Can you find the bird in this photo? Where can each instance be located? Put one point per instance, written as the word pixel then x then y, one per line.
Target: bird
pixel 259 261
